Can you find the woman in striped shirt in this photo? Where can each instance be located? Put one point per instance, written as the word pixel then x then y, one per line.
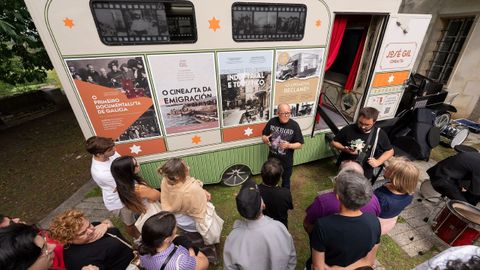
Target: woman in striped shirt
pixel 158 250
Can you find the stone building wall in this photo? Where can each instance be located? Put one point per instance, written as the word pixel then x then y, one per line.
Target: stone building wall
pixel 465 77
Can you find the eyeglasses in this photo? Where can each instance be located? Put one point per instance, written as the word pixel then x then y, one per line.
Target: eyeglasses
pixel 285 113
pixel 360 124
pixel 82 233
pixel 45 251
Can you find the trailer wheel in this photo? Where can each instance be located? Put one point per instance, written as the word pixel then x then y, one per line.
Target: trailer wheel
pixel 236 174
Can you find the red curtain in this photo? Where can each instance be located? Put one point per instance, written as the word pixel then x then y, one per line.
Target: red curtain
pixel 317 117
pixel 339 25
pixel 356 62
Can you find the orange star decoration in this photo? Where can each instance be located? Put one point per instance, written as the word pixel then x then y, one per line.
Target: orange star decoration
pixel 318 23
pixel 214 24
pixel 68 22
pixel 196 139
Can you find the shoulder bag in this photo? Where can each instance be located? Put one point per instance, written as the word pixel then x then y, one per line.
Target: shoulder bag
pixel 211 228
pixel 362 156
pixel 135 262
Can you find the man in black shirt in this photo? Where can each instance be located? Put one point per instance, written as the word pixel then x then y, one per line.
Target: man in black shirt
pixel 350 238
pixel 458 177
pixel 354 144
pixel 278 200
pixel 105 253
pixel 115 75
pixel 94 75
pixel 283 136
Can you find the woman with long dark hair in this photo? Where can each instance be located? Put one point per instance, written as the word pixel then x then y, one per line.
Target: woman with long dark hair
pixel 133 191
pixel 158 248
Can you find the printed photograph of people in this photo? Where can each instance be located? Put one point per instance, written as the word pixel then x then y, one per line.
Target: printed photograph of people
pixel 245 89
pixel 188 100
pixel 289 22
pixel 300 109
pixel 146 126
pixel 201 114
pixel 125 74
pixel 127 20
pixel 262 21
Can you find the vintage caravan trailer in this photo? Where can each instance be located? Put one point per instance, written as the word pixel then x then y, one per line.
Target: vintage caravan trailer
pixel 200 79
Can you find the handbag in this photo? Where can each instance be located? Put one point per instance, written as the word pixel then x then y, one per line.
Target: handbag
pixel 135 262
pixel 211 228
pixel 152 209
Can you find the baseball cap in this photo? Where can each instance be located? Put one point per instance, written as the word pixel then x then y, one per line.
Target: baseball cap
pixel 249 200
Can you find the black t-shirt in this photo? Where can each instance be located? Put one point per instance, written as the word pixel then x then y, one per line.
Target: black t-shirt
pixel 351 135
pixel 278 200
pixel 345 239
pixel 105 253
pixel 289 132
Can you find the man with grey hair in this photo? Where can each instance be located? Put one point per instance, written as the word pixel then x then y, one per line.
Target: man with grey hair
pixel 283 135
pixel 327 204
pixel 352 165
pixel 332 237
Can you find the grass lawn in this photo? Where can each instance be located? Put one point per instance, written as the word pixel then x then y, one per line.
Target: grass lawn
pixel 8 89
pixel 43 163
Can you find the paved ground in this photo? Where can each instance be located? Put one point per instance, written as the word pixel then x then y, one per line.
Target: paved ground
pixel 411 233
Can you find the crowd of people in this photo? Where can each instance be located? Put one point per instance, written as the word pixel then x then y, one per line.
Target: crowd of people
pixel 130 77
pixel 144 127
pixel 177 227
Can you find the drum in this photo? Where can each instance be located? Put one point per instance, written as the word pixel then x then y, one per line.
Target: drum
pixel 455 223
pixel 453 135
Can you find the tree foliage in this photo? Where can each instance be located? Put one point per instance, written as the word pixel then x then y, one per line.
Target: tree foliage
pixel 23 58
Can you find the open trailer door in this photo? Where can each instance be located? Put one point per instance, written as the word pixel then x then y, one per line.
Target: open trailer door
pixel 401 43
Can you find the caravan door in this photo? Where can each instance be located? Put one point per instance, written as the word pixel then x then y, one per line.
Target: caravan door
pixel 400 46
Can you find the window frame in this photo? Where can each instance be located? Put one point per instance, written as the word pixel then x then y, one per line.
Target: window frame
pixel 453 53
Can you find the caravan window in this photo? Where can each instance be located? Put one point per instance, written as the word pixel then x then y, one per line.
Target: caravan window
pixel 144 22
pixel 268 22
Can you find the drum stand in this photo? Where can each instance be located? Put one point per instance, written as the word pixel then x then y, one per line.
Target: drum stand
pixel 436 208
pixel 436 199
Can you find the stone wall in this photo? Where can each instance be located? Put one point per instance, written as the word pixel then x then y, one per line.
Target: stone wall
pixel 465 77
